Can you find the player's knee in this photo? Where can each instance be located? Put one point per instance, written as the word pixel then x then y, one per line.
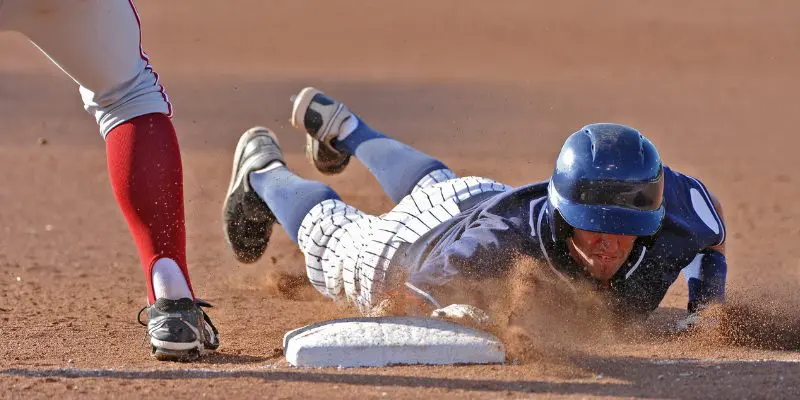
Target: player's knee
pixel 119 103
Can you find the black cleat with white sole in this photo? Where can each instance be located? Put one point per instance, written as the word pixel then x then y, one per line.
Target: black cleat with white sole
pixel 321 118
pixel 179 330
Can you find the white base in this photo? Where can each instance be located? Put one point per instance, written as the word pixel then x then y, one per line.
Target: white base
pixel 378 342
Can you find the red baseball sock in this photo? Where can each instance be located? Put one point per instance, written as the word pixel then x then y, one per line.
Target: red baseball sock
pixel 144 164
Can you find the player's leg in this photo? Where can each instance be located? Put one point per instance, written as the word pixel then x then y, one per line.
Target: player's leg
pixel 97 43
pixel 343 247
pixel 263 191
pixel 335 134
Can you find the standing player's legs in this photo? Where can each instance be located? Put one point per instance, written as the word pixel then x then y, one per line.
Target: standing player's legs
pixel 98 44
pixel 399 168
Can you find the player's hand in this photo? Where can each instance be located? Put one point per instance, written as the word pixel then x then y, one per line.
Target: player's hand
pixel 701 319
pixel 463 314
pixel 688 323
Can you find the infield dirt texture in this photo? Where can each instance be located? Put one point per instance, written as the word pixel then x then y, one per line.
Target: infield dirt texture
pixel 492 88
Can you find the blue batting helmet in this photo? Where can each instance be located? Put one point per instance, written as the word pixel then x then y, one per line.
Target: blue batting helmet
pixel 608 178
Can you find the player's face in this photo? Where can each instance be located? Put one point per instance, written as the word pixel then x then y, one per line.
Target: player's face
pixel 601 254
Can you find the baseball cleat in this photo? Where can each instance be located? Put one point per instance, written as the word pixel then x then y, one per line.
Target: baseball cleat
pixel 179 330
pixel 321 118
pixel 247 219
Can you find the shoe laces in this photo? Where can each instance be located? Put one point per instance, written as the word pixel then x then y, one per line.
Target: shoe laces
pixel 200 303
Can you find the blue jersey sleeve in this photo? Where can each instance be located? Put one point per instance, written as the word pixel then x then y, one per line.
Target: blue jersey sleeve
pixel 689 201
pixel 706 275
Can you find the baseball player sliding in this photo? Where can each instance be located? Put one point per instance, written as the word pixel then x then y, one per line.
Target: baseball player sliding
pixel 98 44
pixel 611 215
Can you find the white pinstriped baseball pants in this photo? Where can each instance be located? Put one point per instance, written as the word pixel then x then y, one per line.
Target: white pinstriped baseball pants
pixel 347 249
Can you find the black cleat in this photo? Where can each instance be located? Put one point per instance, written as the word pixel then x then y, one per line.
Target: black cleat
pixel 179 330
pixel 247 219
pixel 321 118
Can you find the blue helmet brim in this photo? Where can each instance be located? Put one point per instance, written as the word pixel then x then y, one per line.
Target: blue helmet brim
pixel 610 219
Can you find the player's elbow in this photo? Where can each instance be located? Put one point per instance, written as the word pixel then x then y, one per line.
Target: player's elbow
pixel 718 208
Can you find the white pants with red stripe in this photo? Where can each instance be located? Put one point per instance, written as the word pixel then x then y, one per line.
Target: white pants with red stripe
pixel 98 44
pixel 349 251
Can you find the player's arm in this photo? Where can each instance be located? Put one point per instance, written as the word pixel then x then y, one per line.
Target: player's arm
pixel 703 213
pixel 709 285
pixel 718 207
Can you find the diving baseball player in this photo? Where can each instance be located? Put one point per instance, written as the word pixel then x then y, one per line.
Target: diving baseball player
pixel 611 215
pixel 98 44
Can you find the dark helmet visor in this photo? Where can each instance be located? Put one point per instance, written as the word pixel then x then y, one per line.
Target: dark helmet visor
pixel 644 196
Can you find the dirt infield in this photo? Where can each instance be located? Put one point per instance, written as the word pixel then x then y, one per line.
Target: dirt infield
pixel 712 83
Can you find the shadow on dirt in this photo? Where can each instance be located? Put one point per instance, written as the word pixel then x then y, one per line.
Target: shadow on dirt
pixel 227 358
pixel 613 377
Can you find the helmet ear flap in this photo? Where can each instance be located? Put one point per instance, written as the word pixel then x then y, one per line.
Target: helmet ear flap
pixel 560 228
pixel 648 241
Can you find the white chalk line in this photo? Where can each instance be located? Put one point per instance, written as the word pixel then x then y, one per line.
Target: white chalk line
pixel 273 371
